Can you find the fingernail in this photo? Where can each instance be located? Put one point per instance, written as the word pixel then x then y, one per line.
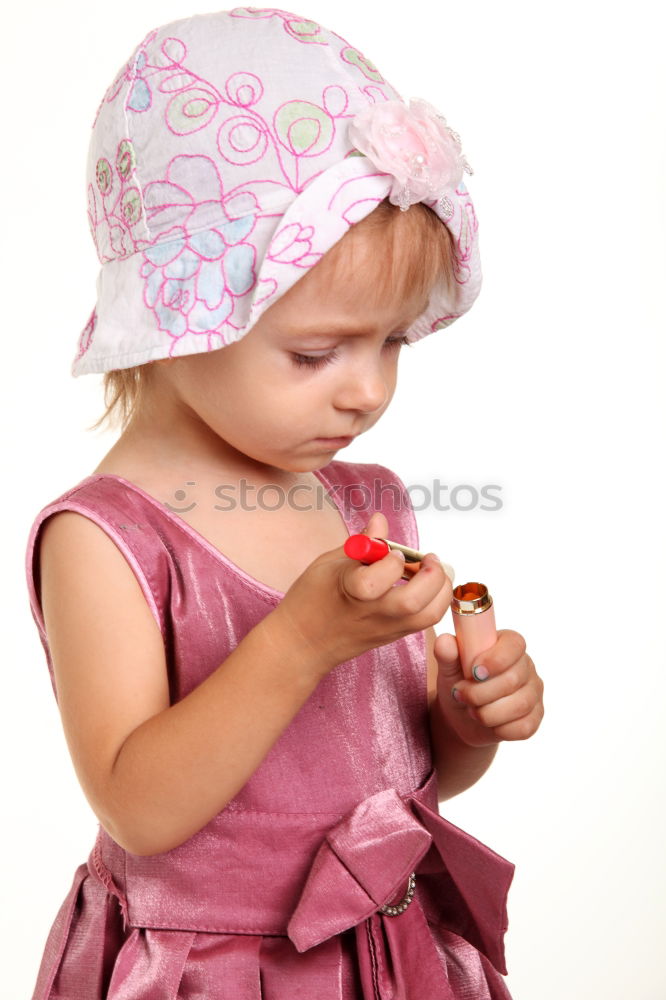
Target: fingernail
pixel 456 694
pixel 480 673
pixel 400 554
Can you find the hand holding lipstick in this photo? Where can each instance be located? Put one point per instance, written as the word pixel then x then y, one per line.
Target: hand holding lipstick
pixel 368 550
pixel 485 671
pixel 338 608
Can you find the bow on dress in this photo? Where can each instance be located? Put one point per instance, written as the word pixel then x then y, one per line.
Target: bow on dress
pixel 364 863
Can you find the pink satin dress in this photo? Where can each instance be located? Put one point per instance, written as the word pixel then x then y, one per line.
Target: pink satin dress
pixel 280 895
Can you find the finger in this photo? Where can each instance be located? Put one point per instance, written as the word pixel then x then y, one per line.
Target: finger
pixel 479 693
pixel 449 668
pixel 369 583
pixel 510 708
pixel 510 646
pixel 377 525
pixel 521 729
pixel 429 591
pixel 446 648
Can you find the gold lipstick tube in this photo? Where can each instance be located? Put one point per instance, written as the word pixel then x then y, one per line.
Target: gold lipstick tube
pixel 413 560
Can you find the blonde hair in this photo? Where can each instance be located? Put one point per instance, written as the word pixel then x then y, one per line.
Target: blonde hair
pixel 425 258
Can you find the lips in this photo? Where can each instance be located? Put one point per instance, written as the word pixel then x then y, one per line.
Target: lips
pixel 338 440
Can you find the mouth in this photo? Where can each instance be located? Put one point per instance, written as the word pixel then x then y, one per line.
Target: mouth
pixel 336 442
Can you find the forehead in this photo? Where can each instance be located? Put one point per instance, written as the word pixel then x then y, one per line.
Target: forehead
pixel 371 269
pixel 322 307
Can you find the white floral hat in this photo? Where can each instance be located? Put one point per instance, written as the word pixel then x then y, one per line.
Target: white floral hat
pixel 230 153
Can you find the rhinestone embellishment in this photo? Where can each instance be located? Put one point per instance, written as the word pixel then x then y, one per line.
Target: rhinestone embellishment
pixel 403 198
pixel 393 911
pixel 445 206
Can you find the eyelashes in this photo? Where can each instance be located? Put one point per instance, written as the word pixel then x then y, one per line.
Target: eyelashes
pixel 307 361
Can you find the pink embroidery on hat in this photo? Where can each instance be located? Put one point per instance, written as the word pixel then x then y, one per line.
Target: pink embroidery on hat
pixel 465 238
pixel 191 110
pixel 244 89
pixel 192 277
pixel 335 100
pixel 299 28
pixel 443 321
pixel 121 204
pixel 303 128
pixel 85 339
pixel 355 58
pixel 300 132
pixel 292 244
pixel 242 140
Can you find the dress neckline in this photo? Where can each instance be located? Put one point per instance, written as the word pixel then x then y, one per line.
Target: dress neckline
pixel 202 540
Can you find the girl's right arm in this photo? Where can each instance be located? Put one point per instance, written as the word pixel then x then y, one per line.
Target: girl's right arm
pixel 155 773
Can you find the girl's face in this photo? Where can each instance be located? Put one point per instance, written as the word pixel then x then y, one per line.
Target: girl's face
pixel 312 368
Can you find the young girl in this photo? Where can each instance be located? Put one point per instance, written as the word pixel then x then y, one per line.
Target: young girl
pixel 263 726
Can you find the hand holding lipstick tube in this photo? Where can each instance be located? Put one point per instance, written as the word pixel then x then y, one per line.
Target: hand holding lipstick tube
pixel 474 623
pixel 368 550
pixel 490 716
pixel 472 606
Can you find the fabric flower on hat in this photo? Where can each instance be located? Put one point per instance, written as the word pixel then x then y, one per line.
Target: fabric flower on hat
pixel 414 144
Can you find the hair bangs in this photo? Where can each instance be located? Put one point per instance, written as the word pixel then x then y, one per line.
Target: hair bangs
pixel 411 252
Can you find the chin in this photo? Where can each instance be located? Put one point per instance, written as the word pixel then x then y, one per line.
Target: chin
pixel 316 462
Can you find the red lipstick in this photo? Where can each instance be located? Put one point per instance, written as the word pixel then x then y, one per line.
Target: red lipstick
pixel 368 550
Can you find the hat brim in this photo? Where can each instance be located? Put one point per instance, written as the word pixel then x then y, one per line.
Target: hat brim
pixel 179 297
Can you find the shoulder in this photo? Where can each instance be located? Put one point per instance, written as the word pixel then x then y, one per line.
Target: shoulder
pixel 368 486
pixel 363 473
pixel 79 557
pixel 94 531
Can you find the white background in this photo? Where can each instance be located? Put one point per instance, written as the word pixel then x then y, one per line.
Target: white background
pixel 551 388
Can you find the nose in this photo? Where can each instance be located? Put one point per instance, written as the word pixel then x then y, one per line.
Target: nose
pixel 363 387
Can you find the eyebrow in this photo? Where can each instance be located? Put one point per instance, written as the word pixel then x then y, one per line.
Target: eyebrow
pixel 346 329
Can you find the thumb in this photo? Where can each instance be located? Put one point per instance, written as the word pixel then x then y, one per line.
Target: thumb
pixel 448 659
pixel 377 525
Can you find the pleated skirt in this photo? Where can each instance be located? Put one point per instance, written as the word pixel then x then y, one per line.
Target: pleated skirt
pixel 90 955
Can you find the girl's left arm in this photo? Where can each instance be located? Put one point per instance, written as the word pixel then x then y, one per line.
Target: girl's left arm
pixel 469 718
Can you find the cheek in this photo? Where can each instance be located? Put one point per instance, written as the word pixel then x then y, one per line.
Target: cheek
pixel 391 378
pixel 262 401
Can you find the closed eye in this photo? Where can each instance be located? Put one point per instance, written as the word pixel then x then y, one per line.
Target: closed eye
pixel 315 361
